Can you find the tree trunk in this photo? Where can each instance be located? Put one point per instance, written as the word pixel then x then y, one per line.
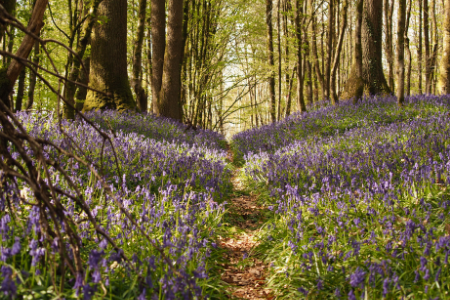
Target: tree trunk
pixel 15 68
pixel 337 55
pixel 75 66
pixel 170 98
pixel 109 60
pixel 80 95
pixel 141 96
pixel 400 52
pixel 354 87
pixel 389 48
pixel 316 59
pixel 329 48
pixel 433 58
pixel 298 31
pixel 279 58
pixel 408 51
pixel 426 29
pixel 444 78
pixel 271 60
pixel 20 90
pixel 371 35
pixel 33 76
pixel 419 47
pixel 158 49
pixel 9 6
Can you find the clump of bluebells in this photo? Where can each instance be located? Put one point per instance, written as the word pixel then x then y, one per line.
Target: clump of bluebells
pixel 362 212
pixel 170 182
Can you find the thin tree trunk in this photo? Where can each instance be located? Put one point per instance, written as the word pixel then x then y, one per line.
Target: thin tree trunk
pixel 426 28
pixel 316 59
pixel 420 46
pixel 271 60
pixel 433 57
pixel 389 49
pixel 170 98
pixel 444 78
pixel 400 52
pixel 20 90
pixel 75 66
pixel 279 58
pixel 136 82
pixel 329 47
pixel 80 95
pixel 32 85
pixel 298 31
pixel 337 55
pixel 408 51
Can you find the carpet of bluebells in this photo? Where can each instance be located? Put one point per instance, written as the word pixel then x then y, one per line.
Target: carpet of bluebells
pixel 360 199
pixel 172 184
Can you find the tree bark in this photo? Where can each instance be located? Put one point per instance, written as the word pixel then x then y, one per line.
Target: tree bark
pixel 170 98
pixel 279 58
pixel 32 85
pixel 337 55
pixel 389 48
pixel 400 52
pixel 371 35
pixel 20 90
pixel 80 95
pixel 158 48
pixel 75 66
pixel 444 78
pixel 419 47
pixel 298 31
pixel 316 59
pixel 109 60
pixel 408 52
pixel 15 67
pixel 141 96
pixel 271 60
pixel 354 87
pixel 426 29
pixel 327 70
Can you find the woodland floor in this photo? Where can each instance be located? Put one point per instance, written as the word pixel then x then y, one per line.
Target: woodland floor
pixel 243 270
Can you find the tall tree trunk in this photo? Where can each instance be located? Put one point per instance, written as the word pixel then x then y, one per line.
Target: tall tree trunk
pixel 419 47
pixel 337 55
pixel 32 85
pixel 433 58
pixel 20 90
pixel 170 98
pixel 10 6
pixel 400 52
pixel 298 31
pixel 354 87
pixel 271 60
pixel 109 60
pixel 279 57
pixel 136 82
pixel 80 95
pixel 158 27
pixel 75 66
pixel 408 51
pixel 371 34
pixel 444 78
pixel 15 67
pixel 389 48
pixel 426 28
pixel 316 59
pixel 329 48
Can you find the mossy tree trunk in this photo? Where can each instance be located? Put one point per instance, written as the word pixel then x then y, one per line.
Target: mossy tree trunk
pixel 108 72
pixel 80 95
pixel 444 78
pixel 32 84
pixel 371 36
pixel 298 32
pixel 75 70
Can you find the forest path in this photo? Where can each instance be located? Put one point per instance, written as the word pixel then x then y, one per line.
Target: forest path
pixel 245 273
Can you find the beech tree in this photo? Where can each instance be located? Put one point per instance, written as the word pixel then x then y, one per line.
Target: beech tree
pixel 108 75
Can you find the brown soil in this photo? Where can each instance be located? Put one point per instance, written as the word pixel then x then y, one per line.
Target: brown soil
pixel 245 273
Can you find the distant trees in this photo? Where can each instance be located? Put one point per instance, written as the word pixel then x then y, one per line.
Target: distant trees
pixel 444 78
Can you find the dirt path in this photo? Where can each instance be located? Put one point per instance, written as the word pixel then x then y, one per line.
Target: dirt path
pixel 244 272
